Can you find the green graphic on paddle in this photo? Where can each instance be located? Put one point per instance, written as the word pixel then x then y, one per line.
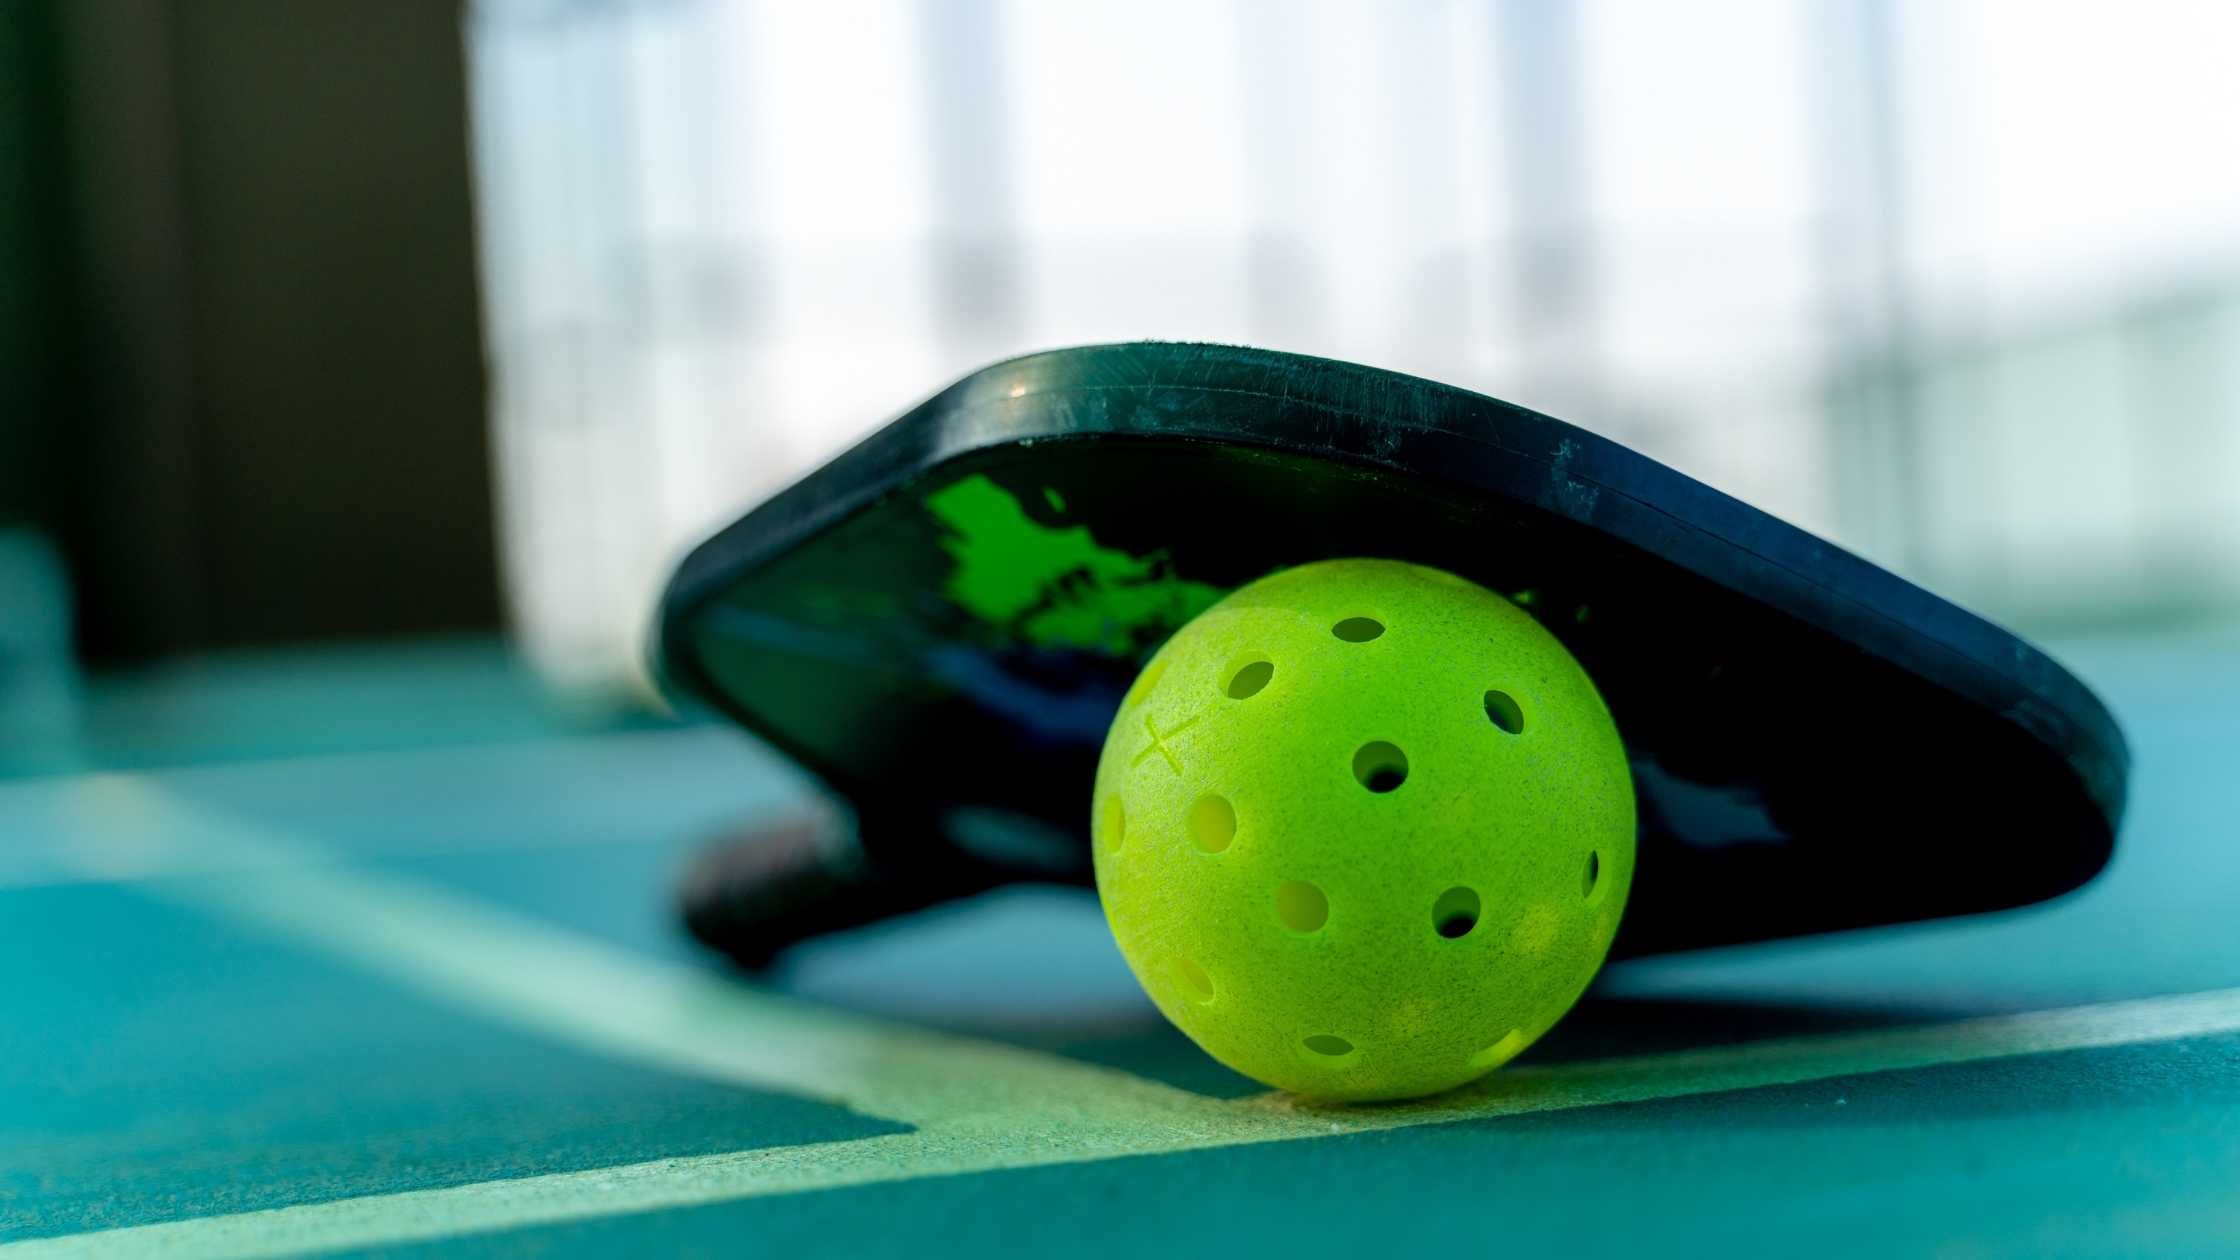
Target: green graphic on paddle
pixel 1056 586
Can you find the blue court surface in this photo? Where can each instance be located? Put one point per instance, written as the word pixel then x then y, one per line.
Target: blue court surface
pixel 387 966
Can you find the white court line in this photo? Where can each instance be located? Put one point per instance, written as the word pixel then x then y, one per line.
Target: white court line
pixel 502 964
pixel 977 1106
pixel 962 1147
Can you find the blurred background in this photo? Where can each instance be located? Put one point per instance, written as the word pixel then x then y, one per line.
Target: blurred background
pixel 365 366
pixel 329 324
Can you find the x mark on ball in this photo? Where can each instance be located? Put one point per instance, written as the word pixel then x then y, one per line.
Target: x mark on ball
pixel 1158 742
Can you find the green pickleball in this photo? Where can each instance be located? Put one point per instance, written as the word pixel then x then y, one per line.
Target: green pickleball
pixel 1363 830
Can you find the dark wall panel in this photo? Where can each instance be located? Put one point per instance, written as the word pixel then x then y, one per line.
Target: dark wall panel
pixel 285 434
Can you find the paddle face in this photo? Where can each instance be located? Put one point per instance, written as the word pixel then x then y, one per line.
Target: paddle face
pixel 942 622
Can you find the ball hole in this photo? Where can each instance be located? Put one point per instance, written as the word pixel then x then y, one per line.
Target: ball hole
pixel 1358 629
pixel 1301 906
pixel 1115 824
pixel 1503 711
pixel 1499 1052
pixel 1196 984
pixel 1328 1046
pixel 1380 766
pixel 1146 680
pixel 1247 682
pixel 1455 913
pixel 1593 875
pixel 1213 823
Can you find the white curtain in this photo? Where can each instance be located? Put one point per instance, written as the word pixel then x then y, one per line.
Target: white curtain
pixel 1801 250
